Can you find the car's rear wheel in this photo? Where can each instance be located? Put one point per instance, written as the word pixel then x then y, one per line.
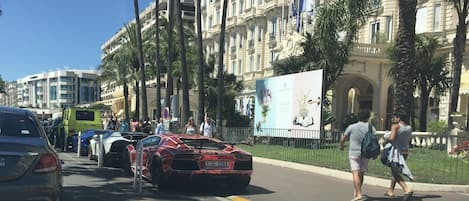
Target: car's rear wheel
pixel 156 172
pixel 125 164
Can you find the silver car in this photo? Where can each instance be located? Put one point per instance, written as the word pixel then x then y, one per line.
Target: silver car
pixel 29 166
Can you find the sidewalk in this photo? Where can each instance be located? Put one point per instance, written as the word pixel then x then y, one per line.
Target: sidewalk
pixel 373 181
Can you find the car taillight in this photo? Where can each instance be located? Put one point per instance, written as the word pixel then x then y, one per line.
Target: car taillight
pixel 47 163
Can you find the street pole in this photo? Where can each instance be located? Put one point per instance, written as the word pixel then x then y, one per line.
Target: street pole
pixel 79 145
pixel 100 152
pixel 137 185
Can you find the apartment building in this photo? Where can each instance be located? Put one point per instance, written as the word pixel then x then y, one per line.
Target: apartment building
pixel 9 98
pixel 57 89
pixel 259 32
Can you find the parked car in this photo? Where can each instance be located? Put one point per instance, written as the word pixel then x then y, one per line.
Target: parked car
pixel 30 168
pixel 113 145
pixel 86 136
pixel 174 158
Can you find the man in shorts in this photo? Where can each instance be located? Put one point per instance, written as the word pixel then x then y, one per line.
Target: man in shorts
pixel 358 164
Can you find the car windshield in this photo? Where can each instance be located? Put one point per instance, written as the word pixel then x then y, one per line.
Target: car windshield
pixel 17 125
pixel 203 144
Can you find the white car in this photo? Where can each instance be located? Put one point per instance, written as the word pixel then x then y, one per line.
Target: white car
pixel 113 145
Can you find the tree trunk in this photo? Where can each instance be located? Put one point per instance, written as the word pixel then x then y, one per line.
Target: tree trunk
pixel 200 80
pixel 141 62
pixel 220 87
pixel 157 62
pixel 404 87
pixel 137 101
pixel 459 44
pixel 184 79
pixel 169 80
pixel 424 93
pixel 126 103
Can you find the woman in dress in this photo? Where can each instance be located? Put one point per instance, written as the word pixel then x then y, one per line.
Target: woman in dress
pixel 190 127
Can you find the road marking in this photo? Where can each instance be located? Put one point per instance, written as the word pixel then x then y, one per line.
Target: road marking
pixel 237 198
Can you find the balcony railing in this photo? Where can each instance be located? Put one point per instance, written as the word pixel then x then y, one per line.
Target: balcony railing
pixel 375 50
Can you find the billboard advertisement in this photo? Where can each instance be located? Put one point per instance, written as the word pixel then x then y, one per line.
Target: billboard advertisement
pixel 290 105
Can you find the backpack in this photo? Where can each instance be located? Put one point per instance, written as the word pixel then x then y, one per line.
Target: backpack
pixel 370 147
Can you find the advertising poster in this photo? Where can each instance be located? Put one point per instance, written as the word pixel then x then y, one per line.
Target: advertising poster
pixel 289 105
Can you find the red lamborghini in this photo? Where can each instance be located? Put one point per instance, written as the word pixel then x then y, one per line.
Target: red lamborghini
pixel 174 158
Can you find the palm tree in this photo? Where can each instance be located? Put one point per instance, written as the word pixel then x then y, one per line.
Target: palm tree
pixel 185 85
pixel 141 62
pixel 169 80
pixel 459 44
pixel 431 72
pixel 292 64
pixel 131 49
pixel 157 61
pixel 115 68
pixel 405 65
pixel 200 49
pixel 2 84
pixel 220 64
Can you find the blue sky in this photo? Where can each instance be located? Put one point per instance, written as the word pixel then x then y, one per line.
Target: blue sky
pixel 41 35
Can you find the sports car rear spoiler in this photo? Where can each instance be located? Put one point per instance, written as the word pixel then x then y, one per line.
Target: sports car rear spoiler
pixel 238 143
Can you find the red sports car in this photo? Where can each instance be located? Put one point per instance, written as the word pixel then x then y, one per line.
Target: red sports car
pixel 177 158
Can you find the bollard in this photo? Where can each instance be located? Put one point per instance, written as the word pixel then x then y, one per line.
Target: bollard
pixel 100 152
pixel 65 142
pixel 138 169
pixel 79 144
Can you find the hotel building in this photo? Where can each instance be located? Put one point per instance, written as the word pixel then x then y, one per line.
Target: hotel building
pixel 259 32
pixel 57 89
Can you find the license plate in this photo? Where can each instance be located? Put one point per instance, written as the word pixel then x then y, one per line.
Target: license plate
pixel 216 164
pixel 2 162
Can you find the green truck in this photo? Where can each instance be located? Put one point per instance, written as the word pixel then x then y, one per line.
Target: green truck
pixel 75 120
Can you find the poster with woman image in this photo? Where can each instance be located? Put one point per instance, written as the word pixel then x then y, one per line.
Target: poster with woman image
pixel 290 102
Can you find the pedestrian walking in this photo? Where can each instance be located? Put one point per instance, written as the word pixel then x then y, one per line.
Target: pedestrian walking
pixel 133 125
pixel 400 137
pixel 358 164
pixel 190 127
pixel 207 128
pixel 159 127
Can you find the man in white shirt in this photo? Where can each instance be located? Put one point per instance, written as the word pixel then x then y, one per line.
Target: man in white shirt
pixel 207 128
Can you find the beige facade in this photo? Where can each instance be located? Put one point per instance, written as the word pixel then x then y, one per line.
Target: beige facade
pixel 257 34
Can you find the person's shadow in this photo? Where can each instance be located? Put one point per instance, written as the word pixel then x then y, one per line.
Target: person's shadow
pixel 415 197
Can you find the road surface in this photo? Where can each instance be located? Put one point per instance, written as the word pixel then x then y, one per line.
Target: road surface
pixel 84 181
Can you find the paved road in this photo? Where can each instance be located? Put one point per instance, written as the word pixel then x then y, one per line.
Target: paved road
pixel 83 181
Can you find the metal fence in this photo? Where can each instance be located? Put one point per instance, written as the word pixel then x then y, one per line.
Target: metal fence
pixel 432 158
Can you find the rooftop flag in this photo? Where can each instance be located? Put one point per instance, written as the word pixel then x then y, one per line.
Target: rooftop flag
pixel 298 17
pixel 293 8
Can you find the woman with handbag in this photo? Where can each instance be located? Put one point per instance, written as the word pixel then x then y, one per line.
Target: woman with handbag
pixel 400 137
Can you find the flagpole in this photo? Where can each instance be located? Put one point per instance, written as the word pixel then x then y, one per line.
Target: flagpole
pixel 282 24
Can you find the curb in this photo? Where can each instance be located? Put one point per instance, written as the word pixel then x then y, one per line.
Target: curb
pixel 374 181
